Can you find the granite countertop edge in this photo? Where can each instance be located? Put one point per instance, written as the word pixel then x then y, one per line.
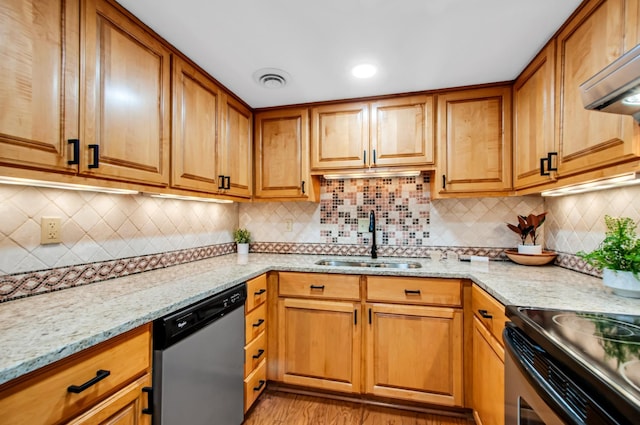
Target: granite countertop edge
pixel 39 330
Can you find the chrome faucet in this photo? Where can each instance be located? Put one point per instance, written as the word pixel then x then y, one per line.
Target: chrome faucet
pixel 372 229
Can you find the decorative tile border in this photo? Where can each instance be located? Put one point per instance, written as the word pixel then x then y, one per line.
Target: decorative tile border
pixel 40 282
pixel 577 264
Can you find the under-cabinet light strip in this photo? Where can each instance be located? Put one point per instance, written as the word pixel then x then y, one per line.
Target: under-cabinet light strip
pixel 65 186
pixel 372 174
pixel 608 183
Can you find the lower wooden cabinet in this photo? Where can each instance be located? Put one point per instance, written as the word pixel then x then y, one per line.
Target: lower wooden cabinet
pixel 319 343
pixel 415 353
pixel 487 377
pixel 103 384
pixel 255 349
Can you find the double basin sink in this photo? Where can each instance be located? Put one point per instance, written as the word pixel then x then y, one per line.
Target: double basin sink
pixel 373 264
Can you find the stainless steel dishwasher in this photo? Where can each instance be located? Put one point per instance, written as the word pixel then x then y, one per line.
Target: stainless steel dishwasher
pixel 198 362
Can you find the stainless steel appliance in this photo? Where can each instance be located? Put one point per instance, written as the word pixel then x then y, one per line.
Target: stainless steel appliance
pixel 567 367
pixel 616 88
pixel 198 362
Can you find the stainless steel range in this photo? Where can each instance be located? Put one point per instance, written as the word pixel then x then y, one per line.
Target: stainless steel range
pixel 571 367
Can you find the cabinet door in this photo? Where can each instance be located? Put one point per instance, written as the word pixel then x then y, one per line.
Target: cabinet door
pixel 474 139
pixel 39 85
pixel 319 344
pixel 235 148
pixel 196 124
pixel 402 131
pixel 340 136
pixel 588 140
pixel 415 353
pixel 126 407
pixel 282 153
pixel 488 377
pixel 126 98
pixel 534 131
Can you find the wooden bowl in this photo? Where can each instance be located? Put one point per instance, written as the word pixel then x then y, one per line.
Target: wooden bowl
pixel 531 259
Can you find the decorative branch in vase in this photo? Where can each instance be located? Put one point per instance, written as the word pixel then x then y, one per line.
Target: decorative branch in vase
pixel 527 228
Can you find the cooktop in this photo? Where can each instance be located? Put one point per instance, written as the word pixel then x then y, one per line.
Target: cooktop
pixel 601 350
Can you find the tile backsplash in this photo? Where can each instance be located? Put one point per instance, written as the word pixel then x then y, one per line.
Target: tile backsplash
pixel 102 227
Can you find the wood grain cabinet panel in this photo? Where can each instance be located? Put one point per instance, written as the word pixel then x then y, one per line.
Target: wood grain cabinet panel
pixel 282 154
pixel 415 353
pixel 126 98
pixel 196 127
pixel 474 141
pixel 319 344
pixel 40 63
pixel 587 140
pixel 235 150
pixel 256 344
pixel 533 122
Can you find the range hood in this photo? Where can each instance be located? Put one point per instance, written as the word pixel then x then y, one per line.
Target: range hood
pixel 616 88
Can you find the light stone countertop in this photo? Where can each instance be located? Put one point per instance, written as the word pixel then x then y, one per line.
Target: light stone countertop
pixel 39 330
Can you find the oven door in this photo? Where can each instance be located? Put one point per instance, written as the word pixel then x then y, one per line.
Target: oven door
pixel 523 404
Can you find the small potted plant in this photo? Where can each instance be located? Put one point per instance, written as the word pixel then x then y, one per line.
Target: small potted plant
pixel 242 238
pixel 527 228
pixel 618 256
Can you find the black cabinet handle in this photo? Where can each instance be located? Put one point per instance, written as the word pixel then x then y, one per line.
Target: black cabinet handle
pixel 302 187
pixel 355 317
pixel 444 181
pixel 260 385
pixel 96 156
pixel 320 287
pixel 550 157
pixel 220 182
pixel 258 323
pixel 485 314
pixel 364 157
pixel 260 353
pixel 75 159
pixel 260 292
pixel 412 292
pixel 543 171
pixel 149 409
pixel 374 156
pixel 100 375
pixel 227 182
pixel 369 316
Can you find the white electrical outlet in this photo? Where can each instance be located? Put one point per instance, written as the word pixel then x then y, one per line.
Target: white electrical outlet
pixel 50 230
pixel 288 225
pixel 363 225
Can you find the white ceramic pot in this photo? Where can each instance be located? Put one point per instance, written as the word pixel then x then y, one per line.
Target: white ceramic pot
pixel 530 249
pixel 243 248
pixel 621 283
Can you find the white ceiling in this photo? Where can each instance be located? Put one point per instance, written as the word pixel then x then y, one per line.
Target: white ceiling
pixel 416 44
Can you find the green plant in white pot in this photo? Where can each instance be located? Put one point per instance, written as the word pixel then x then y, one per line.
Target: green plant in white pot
pixel 242 238
pixel 618 256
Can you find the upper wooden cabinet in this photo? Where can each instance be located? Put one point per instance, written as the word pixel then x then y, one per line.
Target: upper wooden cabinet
pixel 533 121
pixel 474 142
pixel 389 132
pixel 235 150
pixel 196 129
pixel 126 101
pixel 40 83
pixel 587 140
pixel 282 154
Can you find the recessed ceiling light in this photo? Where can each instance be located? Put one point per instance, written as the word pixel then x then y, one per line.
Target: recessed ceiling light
pixel 271 78
pixel 364 70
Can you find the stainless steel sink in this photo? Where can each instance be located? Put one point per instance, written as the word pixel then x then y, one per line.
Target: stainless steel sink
pixel 376 264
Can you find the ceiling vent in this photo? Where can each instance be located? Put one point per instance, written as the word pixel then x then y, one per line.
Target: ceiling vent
pixel 271 78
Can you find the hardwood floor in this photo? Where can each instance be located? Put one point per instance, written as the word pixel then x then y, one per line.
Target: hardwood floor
pixel 280 408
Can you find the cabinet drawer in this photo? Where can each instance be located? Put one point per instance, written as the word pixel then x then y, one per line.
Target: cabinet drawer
pixel 488 311
pixel 43 397
pixel 411 290
pixel 254 323
pixel 254 353
pixel 254 384
pixel 319 285
pixel 256 292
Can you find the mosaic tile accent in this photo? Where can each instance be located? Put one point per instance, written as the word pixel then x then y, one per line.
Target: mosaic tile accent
pixel 401 207
pixel 39 282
